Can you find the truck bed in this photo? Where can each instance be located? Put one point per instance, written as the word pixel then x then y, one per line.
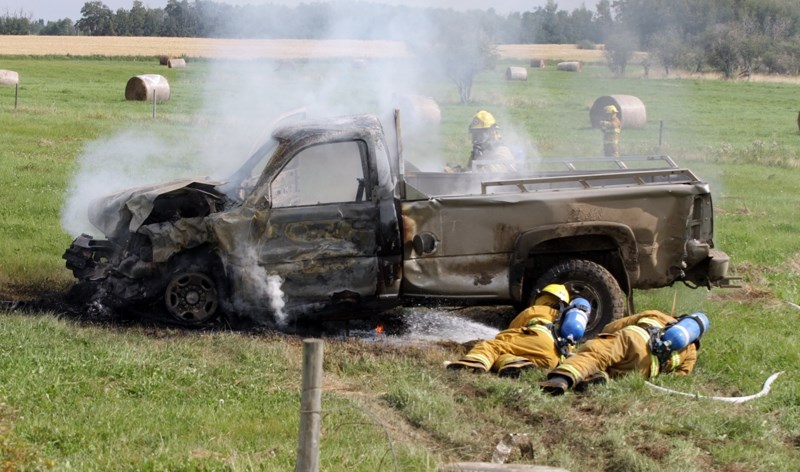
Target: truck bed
pixel 550 174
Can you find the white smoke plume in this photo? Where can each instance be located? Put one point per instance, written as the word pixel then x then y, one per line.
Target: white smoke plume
pixel 128 159
pixel 257 285
pixel 276 298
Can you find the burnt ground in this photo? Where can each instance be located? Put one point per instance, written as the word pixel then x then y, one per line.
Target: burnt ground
pixel 75 305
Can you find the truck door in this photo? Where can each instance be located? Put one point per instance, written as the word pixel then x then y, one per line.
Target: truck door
pixel 323 232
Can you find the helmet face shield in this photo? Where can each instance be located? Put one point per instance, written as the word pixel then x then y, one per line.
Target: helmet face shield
pixel 480 136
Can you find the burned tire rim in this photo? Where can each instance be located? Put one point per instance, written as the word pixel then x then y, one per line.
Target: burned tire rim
pixel 593 282
pixel 192 298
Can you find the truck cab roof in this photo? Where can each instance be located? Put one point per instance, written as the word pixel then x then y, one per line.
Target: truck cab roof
pixel 346 127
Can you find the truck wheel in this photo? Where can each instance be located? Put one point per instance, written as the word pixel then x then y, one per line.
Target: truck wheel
pixel 192 298
pixel 593 282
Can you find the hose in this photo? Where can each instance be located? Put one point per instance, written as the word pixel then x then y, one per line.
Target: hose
pixel 763 392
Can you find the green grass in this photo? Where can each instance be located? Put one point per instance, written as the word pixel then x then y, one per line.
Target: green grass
pixel 75 396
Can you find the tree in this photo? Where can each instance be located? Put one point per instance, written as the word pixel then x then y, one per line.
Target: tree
pixel 121 23
pixel 620 46
pixel 96 19
pixel 137 19
pixel 604 18
pixel 667 50
pixel 583 27
pixel 549 25
pixel 463 49
pixel 153 22
pixel 181 19
pixel 644 19
pixel 723 49
pixel 18 24
pixel 63 27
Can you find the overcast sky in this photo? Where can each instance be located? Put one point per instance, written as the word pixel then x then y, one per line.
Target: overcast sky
pixel 50 10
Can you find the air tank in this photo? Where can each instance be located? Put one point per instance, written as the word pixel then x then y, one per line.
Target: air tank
pixel 686 331
pixel 573 321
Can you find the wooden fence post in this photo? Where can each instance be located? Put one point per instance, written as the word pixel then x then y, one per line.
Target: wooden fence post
pixel 310 407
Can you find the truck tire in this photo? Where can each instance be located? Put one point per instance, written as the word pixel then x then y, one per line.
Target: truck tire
pixel 192 299
pixel 194 291
pixel 593 282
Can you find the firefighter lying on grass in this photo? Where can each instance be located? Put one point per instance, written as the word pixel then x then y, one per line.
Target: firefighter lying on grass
pixel 540 336
pixel 650 343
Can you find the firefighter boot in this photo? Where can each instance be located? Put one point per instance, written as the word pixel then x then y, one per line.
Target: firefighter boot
pixel 467 364
pixel 555 384
pixel 513 369
pixel 598 378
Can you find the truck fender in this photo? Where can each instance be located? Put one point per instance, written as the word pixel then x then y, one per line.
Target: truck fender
pixel 527 242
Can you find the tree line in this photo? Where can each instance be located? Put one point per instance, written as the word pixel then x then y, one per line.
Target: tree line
pixel 730 36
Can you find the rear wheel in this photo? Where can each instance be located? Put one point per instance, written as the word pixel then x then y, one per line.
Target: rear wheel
pixel 593 282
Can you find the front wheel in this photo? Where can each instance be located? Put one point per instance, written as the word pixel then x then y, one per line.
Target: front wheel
pixel 192 298
pixel 593 282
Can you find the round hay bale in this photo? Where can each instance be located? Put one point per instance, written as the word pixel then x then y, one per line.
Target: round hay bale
pixel 569 66
pixel 176 63
pixel 516 73
pixel 163 60
pixel 145 87
pixel 632 112
pixel 537 63
pixel 9 77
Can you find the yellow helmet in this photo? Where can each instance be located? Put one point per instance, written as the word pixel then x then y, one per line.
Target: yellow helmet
pixel 610 109
pixel 482 120
pixel 557 290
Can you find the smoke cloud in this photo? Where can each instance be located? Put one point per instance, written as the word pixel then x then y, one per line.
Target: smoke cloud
pixel 257 285
pixel 240 97
pixel 128 159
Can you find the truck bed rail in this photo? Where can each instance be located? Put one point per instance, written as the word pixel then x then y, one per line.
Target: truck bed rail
pixel 596 180
pixel 613 163
pixel 549 174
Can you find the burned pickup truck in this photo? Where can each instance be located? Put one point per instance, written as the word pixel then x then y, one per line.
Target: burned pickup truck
pixel 327 220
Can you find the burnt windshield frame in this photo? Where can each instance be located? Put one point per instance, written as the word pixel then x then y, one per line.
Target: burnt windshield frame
pixel 251 169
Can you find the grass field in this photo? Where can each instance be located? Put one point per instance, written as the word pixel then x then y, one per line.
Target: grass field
pixel 81 396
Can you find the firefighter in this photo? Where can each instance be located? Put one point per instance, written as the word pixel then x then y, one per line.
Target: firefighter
pixel 538 337
pixel 650 343
pixel 611 128
pixel 489 154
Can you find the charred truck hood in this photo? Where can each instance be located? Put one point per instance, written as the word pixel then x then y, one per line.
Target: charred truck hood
pixel 126 212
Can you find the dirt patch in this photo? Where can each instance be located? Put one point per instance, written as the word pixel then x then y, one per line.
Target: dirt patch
pixel 793 263
pixel 746 294
pixel 755 283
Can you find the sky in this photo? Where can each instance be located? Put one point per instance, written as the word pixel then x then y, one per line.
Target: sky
pixel 51 10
